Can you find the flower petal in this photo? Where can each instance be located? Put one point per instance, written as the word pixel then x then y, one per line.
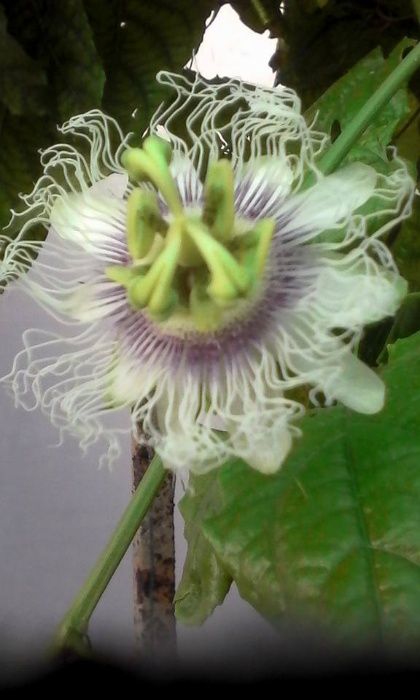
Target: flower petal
pixel 187 180
pixel 332 199
pixel 317 357
pixel 114 185
pixel 93 300
pixel 358 387
pixel 130 380
pixel 262 185
pixel 268 454
pixel 93 221
pixel 349 298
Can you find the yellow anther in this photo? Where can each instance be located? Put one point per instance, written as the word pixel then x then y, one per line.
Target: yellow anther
pixel 151 164
pixel 228 279
pixel 219 202
pixel 143 222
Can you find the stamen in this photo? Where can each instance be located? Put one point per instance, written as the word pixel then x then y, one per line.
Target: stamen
pixel 229 279
pixel 210 276
pixel 219 203
pixel 159 149
pixel 120 274
pixel 154 290
pixel 151 163
pixel 143 222
pixel 259 241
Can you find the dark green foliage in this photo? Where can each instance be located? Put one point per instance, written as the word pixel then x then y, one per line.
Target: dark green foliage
pixel 323 40
pixel 58 59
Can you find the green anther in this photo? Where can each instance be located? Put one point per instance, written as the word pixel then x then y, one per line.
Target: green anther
pixel 151 165
pixel 154 290
pixel 158 148
pixel 228 279
pixel 255 247
pixel 264 230
pixel 219 202
pixel 121 274
pixel 143 222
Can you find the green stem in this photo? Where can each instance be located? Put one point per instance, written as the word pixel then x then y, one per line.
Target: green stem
pixel 351 133
pixel 72 632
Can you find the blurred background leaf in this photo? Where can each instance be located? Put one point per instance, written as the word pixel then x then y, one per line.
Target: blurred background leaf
pixel 23 82
pixel 20 139
pixel 136 40
pixel 58 35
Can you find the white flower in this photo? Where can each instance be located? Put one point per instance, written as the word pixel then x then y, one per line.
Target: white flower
pixel 203 294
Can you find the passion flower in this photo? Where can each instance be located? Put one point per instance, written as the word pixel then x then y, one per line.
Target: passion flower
pixel 192 280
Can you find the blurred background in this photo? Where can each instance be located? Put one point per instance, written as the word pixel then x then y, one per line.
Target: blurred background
pixel 57 509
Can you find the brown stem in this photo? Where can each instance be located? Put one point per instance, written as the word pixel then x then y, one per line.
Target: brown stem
pixel 154 568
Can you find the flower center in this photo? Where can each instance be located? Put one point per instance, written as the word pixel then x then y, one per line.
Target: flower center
pixel 187 263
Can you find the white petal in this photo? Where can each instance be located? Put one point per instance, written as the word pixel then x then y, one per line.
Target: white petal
pixel 212 421
pixel 349 298
pixel 263 184
pixel 91 301
pixel 187 180
pixel 319 358
pixel 130 380
pixel 267 456
pixel 92 221
pixel 114 185
pixel 261 435
pixel 358 387
pixel 333 198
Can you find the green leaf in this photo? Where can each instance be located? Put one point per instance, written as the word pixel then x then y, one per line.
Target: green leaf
pixel 66 41
pixel 136 40
pixel 345 98
pixel 337 107
pixel 373 348
pixel 406 249
pixel 204 582
pixel 406 322
pixel 324 43
pixel 334 536
pixel 22 80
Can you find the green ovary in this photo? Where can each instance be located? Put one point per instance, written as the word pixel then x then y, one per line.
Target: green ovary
pixel 188 265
